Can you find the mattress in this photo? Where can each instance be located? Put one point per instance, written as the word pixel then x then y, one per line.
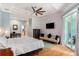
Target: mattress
pixel 24 45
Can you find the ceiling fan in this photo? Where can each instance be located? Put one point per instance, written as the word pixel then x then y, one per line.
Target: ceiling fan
pixel 38 11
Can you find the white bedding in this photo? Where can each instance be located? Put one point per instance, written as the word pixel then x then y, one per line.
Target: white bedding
pixel 24 45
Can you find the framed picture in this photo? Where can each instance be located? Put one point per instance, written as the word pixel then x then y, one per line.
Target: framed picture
pixel 15 27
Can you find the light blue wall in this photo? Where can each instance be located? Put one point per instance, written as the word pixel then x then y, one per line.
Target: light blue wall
pixel 20 24
pixel 0 19
pixel 5 21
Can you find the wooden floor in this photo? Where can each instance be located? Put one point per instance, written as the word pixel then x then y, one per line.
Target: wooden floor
pixel 57 50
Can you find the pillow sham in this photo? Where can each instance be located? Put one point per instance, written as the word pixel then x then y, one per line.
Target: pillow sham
pixel 3 41
pixel 1 46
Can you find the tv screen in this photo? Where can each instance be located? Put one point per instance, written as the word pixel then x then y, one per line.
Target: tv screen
pixel 50 26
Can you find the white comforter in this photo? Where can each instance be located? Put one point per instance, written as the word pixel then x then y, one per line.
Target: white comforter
pixel 24 45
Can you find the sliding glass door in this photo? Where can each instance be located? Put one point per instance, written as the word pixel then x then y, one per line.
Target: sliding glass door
pixel 70 30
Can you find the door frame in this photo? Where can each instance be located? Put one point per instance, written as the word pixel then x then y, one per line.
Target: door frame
pixel 77 26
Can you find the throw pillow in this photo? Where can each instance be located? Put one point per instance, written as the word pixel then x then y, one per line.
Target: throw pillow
pixel 49 35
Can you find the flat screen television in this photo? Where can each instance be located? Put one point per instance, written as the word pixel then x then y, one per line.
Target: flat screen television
pixel 50 26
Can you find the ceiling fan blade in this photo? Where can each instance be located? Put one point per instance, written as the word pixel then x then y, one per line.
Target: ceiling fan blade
pixel 33 9
pixel 39 9
pixel 36 14
pixel 42 11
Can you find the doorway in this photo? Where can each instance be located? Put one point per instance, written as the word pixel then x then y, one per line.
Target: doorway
pixel 70 30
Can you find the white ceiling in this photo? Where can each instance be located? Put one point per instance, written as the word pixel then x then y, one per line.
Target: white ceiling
pixel 24 9
pixel 49 8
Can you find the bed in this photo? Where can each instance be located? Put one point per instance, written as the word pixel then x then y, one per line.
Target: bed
pixel 22 45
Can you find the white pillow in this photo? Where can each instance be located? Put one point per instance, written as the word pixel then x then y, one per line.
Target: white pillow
pixel 2 46
pixel 3 41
